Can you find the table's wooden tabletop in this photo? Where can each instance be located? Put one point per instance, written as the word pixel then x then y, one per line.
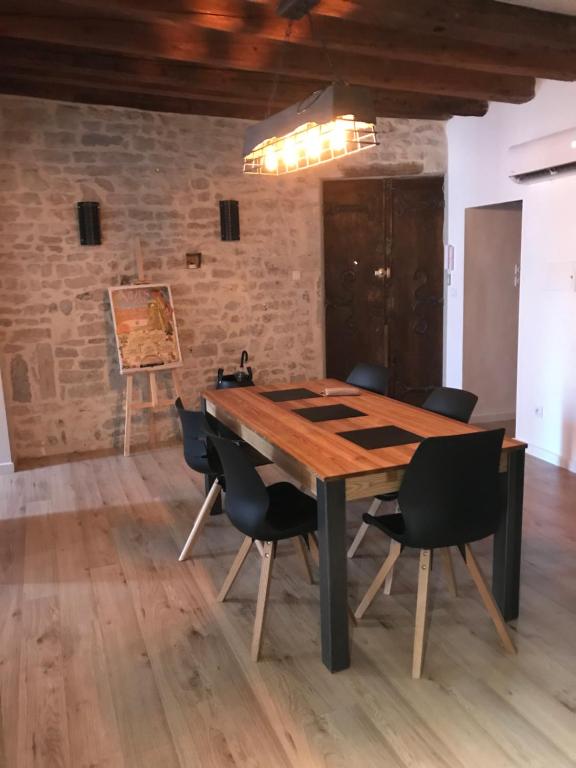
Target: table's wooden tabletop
pixel 317 445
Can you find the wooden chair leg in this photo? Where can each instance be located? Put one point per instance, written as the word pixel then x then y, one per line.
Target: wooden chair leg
pixel 314 551
pixel 303 555
pixel 395 551
pixel 235 568
pixel 488 600
pixel 200 521
pixel 263 590
pixel 363 528
pixel 421 606
pixel 260 548
pixel 390 576
pixel 448 567
pixel 360 533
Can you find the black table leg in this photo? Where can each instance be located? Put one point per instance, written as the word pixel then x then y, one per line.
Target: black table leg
pixel 331 497
pixel 508 540
pixel 209 479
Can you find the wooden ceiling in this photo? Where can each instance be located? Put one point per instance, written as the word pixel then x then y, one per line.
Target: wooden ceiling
pixel 422 58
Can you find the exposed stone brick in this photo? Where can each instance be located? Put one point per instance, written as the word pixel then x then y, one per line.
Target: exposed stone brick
pixel 76 377
pixel 65 352
pixel 21 392
pixel 66 306
pixel 45 364
pixel 31 334
pixel 100 140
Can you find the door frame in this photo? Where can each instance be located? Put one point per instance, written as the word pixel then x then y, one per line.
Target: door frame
pixel 517 205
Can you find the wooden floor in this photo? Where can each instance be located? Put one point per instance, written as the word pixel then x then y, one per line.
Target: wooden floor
pixel 114 654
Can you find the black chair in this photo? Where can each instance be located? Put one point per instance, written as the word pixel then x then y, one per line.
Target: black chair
pixel 374 378
pixel 446 401
pixel 266 514
pixel 449 497
pixel 455 403
pixel 197 427
pixel 198 454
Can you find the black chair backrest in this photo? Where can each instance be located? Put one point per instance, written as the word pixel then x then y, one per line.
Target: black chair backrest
pixel 247 499
pixel 450 492
pixel 454 403
pixel 371 377
pixel 196 428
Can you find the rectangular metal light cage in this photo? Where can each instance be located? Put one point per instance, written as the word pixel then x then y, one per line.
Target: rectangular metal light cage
pixel 352 106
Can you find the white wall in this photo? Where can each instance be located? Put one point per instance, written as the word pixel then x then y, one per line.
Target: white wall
pixel 547 335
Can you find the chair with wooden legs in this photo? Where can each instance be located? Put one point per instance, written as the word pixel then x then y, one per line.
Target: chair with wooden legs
pixel 446 401
pixel 265 514
pixel 196 428
pixel 449 497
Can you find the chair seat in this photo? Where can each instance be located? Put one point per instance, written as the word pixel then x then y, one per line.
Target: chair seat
pixel 388 496
pixel 393 525
pixel 291 513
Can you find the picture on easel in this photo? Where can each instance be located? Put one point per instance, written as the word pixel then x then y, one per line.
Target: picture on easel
pixel 145 327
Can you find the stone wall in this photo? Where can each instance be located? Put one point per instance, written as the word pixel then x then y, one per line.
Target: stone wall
pixel 158 177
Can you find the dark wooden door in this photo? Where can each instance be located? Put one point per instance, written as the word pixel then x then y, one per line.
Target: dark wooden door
pixel 383 267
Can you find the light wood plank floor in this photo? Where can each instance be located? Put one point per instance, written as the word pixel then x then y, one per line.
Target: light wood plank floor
pixel 114 655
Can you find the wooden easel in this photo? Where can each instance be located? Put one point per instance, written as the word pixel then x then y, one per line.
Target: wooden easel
pixel 153 404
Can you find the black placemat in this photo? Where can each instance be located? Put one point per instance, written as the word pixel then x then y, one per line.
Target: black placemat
pixel 380 437
pixel 328 412
pixel 283 395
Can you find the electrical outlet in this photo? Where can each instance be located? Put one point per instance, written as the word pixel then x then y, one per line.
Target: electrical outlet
pixel 539 412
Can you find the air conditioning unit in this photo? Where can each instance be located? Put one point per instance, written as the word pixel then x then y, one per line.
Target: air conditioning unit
pixel 543 158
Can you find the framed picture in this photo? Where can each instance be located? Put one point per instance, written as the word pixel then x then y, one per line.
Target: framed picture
pixel 145 327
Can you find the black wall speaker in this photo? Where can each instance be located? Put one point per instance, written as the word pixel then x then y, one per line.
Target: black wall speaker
pixel 229 220
pixel 89 223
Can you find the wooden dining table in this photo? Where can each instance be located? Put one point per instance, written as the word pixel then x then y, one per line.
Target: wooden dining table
pixel 277 421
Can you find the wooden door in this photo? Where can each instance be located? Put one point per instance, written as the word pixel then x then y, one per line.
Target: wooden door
pixel 383 266
pixel 354 242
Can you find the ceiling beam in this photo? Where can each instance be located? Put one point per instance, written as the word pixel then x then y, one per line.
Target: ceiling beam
pixel 458 19
pixel 368 36
pixel 35 83
pixel 157 103
pixel 186 42
pixel 467 20
pixel 42 62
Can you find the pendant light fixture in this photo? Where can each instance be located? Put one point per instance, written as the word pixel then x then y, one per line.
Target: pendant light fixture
pixel 330 123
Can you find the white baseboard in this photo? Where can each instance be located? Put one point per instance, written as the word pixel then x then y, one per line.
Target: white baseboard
pixel 552 458
pixel 6 467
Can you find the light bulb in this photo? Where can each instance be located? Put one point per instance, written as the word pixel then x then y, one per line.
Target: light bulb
pixel 338 136
pixel 289 153
pixel 313 144
pixel 270 161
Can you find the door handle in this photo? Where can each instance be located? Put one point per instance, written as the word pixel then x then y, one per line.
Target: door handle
pixel 382 273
